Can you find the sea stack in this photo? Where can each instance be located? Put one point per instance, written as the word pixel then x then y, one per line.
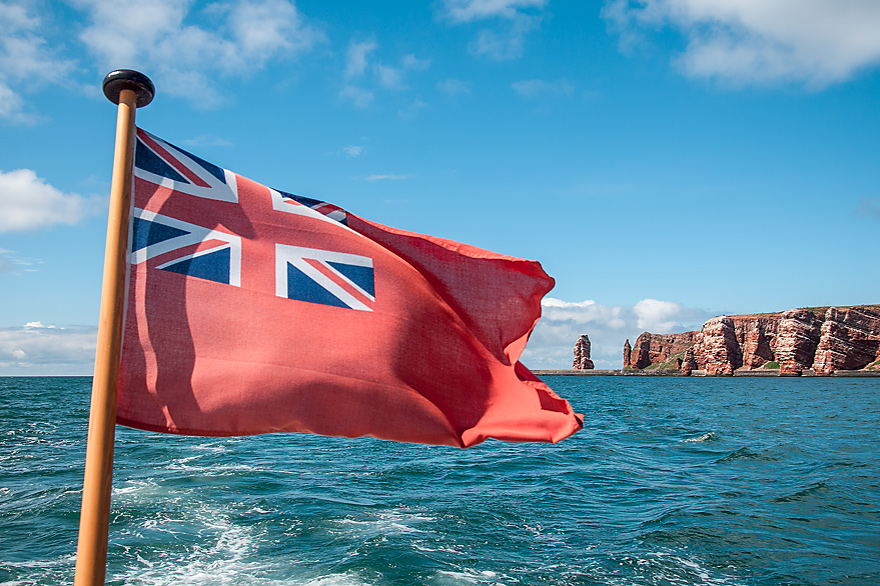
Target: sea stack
pixel 627 354
pixel 582 354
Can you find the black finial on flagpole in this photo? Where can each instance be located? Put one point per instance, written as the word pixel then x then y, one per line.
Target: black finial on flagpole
pixel 128 79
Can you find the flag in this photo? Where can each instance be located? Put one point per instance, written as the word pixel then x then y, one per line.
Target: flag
pixel 251 310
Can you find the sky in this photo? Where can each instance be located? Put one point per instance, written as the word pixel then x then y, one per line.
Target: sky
pixel 666 161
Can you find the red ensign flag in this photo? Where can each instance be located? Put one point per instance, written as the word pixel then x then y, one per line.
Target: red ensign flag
pixel 254 311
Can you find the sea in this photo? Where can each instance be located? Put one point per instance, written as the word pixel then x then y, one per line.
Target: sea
pixel 673 481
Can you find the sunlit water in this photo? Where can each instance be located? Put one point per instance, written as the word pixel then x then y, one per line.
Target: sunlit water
pixel 673 481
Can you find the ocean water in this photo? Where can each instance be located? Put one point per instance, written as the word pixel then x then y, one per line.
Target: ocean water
pixel 673 481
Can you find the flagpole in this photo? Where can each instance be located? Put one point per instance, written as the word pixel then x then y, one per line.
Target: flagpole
pixel 130 90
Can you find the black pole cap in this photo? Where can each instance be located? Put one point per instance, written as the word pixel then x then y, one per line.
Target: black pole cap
pixel 128 79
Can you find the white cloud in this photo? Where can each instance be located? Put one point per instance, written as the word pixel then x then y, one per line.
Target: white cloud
pixel 470 10
pixel 11 262
pixel 389 77
pixel 530 88
pixel 498 46
pixel 37 349
pixel 657 316
pixel 205 140
pixel 360 97
pixel 413 109
pixel 816 42
pixel 157 38
pixel 28 202
pixel 551 344
pixel 11 105
pixel 26 62
pixel 506 43
pixel 386 177
pixel 513 19
pixel 357 57
pixel 352 150
pixel 7 265
pixel 359 62
pixel 392 77
pixel 412 63
pixel 453 87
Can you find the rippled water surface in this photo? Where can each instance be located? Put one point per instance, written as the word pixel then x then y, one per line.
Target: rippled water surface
pixel 673 481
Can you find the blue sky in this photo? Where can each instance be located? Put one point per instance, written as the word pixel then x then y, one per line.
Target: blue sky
pixel 665 160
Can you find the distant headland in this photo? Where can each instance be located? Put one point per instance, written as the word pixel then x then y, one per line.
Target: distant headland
pixel 811 341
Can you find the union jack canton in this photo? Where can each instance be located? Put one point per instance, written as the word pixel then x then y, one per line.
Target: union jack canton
pixel 169 236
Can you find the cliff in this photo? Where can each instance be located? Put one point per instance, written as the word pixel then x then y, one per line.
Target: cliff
pixel 824 339
pixel 657 349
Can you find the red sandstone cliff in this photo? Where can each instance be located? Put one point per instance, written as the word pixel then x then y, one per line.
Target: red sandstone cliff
pixel 796 340
pixel 716 348
pixel 849 339
pixel 657 348
pixel 823 338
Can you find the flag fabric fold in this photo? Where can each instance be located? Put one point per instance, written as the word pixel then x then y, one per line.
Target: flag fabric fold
pixel 251 310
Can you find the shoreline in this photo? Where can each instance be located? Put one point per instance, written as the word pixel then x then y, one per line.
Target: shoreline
pixel 702 373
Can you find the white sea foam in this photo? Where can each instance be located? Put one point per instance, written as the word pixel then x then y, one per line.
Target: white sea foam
pixel 133 487
pixel 673 568
pixel 347 579
pixel 469 576
pixel 221 557
pixel 387 523
pixel 702 438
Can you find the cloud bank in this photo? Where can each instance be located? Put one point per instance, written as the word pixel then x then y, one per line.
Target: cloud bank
pixel 553 340
pixel 38 350
pixel 744 42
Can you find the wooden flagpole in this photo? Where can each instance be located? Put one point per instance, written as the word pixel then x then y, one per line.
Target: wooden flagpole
pixel 131 90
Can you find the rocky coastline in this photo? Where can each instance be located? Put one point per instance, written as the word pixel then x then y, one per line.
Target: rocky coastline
pixel 817 341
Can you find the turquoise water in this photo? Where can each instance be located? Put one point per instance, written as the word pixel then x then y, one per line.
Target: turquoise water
pixel 673 481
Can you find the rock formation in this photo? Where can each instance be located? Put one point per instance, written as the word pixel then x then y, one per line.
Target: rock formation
pixel 656 348
pixel 797 338
pixel 849 339
pixel 756 335
pixel 717 349
pixel 627 353
pixel 582 354
pixel 825 339
pixel 641 352
pixel 689 364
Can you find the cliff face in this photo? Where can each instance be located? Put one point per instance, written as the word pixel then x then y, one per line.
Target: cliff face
pixel 689 364
pixel 756 337
pixel 717 349
pixel 797 338
pixel 656 348
pixel 582 354
pixel 823 338
pixel 849 339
